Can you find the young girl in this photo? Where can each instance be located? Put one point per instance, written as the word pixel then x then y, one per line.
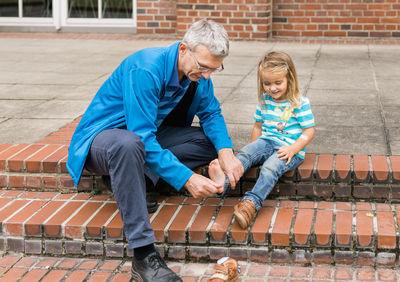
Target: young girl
pixel 284 126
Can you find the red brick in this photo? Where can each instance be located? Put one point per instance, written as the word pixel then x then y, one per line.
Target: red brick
pixel 33 225
pixel 325 167
pixel 193 201
pixel 74 227
pixel 120 277
pixel 46 195
pixel 95 226
pixel 177 230
pixel 287 204
pixel 77 275
pixel 307 167
pixel 219 229
pixel 99 276
pixel 16 163
pixel 50 182
pixel 14 225
pixel 11 208
pixel 12 193
pixel 343 206
pixel 323 227
pixel 280 231
pixel 68 263
pixel 231 201
pixel 16 181
pixel 261 226
pixel 9 152
pixel 26 262
pixel 365 274
pixel 197 231
pixel 238 235
pixel 4 202
pixel 161 221
pixel 34 275
pixel 50 163
pixel 395 163
pixel 114 227
pixel 52 228
pixel 33 181
pixel 361 168
pixel 342 168
pixel 14 274
pixel 9 260
pixel 34 163
pixel 365 233
pixel 175 200
pixel 4 147
pixel 380 168
pixel 344 221
pixel 386 230
pixel 54 275
pixel 302 227
pixel 3 180
pixel 89 264
pixel 306 205
pixel 212 201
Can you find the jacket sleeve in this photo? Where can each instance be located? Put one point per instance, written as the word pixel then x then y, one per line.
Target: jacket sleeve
pixel 141 94
pixel 211 119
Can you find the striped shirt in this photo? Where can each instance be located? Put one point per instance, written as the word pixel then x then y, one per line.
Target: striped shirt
pixel 281 122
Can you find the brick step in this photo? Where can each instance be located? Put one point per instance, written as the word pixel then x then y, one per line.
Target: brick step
pixel 42 167
pixel 79 224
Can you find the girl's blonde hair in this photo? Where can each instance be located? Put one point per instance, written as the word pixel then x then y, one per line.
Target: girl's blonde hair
pixel 280 62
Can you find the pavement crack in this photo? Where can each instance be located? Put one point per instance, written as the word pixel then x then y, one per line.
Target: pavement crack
pixel 317 56
pixel 380 105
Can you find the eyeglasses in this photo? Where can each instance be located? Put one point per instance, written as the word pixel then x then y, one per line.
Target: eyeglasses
pixel 205 69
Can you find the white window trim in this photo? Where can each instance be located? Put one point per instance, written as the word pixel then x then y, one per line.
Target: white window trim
pixel 60 18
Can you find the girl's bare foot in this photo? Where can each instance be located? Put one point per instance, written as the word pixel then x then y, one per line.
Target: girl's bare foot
pixel 216 173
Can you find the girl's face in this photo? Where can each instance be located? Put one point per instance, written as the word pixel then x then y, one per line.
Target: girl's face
pixel 275 84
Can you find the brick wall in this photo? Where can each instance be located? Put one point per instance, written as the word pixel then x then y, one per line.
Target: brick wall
pixel 338 18
pixel 243 19
pixel 261 19
pixel 156 17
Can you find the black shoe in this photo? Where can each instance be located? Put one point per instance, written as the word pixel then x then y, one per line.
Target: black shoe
pixel 151 203
pixel 153 269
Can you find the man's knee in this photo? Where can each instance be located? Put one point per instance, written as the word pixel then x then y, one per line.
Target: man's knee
pixel 127 144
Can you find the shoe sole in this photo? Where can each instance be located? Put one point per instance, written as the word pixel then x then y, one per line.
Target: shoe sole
pixel 152 209
pixel 136 276
pixel 240 219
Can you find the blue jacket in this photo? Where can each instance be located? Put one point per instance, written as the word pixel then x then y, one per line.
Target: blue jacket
pixel 130 97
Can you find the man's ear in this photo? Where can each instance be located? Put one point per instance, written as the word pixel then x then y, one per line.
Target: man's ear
pixel 183 48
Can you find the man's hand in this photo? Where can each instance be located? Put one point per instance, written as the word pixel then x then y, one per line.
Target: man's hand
pixel 231 166
pixel 200 186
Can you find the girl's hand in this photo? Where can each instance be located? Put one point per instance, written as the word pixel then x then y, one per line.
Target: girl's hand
pixel 286 153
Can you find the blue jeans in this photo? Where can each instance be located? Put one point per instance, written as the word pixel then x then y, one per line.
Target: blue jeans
pixel 263 152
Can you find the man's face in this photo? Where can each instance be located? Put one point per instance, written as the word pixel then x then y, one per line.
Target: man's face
pixel 198 63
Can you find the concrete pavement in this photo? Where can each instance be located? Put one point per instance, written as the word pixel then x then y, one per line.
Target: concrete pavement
pixel 353 89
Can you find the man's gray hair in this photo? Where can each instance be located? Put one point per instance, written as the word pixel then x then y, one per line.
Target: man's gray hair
pixel 210 34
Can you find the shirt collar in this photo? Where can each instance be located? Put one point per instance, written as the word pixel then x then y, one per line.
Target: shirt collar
pixel 174 81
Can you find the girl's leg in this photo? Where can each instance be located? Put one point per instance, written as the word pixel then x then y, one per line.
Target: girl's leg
pixel 271 170
pixel 250 155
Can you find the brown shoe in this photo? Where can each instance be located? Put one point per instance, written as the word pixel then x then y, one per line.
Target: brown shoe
pixel 244 213
pixel 226 269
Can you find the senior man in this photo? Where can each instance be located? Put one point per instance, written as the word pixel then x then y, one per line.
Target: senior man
pixel 138 128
